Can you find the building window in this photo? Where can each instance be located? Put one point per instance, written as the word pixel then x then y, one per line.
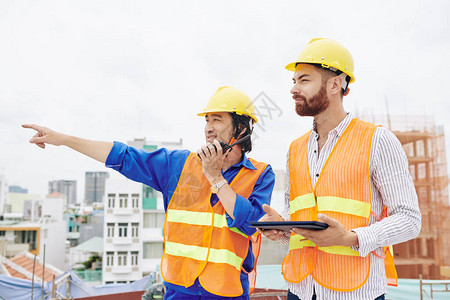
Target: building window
pixel 111 200
pixel 123 200
pixel 27 237
pixel 152 250
pixel 134 258
pixel 134 229
pixel 110 259
pixel 154 219
pixel 110 230
pixel 122 258
pixel 123 229
pixel 135 200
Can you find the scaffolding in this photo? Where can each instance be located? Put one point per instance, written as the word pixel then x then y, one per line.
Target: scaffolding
pixel 424 144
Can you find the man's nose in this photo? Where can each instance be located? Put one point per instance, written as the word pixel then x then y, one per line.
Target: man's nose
pixel 293 90
pixel 209 128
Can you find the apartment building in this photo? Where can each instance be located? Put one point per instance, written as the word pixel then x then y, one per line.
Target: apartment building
pixel 134 219
pixel 122 251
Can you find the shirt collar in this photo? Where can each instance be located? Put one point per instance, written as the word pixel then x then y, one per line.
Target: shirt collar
pixel 338 130
pixel 245 162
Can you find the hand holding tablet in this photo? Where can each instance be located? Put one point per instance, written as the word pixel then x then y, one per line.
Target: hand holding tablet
pixel 287 225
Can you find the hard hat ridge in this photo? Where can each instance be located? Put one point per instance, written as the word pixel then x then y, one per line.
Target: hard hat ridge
pixel 328 54
pixel 230 99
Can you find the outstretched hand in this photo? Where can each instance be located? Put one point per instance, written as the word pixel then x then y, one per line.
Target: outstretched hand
pixel 44 136
pixel 270 216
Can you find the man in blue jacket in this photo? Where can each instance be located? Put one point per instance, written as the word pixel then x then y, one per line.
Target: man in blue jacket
pixel 229 117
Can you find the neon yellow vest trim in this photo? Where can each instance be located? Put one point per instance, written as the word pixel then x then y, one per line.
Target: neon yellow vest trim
pixel 302 202
pixel 200 218
pixel 343 205
pixel 297 243
pixel 189 217
pixel 341 250
pixel 201 253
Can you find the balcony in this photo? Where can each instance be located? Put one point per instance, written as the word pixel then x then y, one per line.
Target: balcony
pixel 73 235
pixel 121 270
pixel 122 240
pixel 90 275
pixel 123 211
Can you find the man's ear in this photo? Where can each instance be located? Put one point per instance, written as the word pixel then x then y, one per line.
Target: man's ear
pixel 335 84
pixel 239 132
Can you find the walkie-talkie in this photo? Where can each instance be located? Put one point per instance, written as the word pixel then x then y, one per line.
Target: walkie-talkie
pixel 225 146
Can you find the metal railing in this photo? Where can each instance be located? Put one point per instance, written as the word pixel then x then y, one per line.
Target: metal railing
pixel 435 287
pixel 263 295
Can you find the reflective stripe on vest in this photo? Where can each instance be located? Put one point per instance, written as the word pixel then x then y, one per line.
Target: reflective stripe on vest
pixel 302 202
pixel 297 242
pixel 223 256
pixel 200 218
pixel 329 203
pixel 343 205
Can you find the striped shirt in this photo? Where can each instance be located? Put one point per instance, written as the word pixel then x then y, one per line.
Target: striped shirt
pixel 391 186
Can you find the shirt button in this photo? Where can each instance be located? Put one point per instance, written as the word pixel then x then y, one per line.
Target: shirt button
pixel 199 285
pixel 200 292
pixel 317 175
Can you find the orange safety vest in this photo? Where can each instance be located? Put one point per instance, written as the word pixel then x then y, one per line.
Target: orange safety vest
pixel 197 239
pixel 343 193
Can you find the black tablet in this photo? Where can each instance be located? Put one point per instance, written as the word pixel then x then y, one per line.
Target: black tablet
pixel 287 225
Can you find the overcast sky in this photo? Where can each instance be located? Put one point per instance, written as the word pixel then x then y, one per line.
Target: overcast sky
pixel 115 70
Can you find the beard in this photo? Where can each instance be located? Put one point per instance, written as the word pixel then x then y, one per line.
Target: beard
pixel 313 106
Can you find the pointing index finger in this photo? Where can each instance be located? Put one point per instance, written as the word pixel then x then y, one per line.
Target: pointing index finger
pixel 31 126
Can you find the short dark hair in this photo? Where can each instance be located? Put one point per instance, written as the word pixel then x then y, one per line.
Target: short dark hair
pixel 239 123
pixel 327 74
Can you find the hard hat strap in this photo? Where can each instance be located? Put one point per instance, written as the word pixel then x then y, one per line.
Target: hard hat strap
pixel 345 79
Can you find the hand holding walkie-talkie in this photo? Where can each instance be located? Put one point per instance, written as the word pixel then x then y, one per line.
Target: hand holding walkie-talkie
pixel 225 146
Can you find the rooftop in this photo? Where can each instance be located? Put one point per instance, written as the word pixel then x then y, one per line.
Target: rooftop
pixel 21 266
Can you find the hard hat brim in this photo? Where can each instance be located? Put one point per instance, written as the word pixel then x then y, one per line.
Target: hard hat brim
pixel 293 65
pixel 205 112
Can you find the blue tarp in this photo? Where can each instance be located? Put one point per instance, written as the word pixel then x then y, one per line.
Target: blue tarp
pixel 269 276
pixel 12 288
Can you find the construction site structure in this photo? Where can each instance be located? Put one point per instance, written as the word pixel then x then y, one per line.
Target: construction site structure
pixel 424 144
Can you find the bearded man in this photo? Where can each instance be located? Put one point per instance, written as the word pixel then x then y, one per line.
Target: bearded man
pixel 349 174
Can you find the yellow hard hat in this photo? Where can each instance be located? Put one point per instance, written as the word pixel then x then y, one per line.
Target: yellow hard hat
pixel 230 99
pixel 327 53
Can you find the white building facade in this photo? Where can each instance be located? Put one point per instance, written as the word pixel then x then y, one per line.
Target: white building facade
pixel 134 221
pixel 122 251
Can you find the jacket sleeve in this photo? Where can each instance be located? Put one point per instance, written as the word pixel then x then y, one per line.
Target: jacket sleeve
pixel 246 210
pixel 154 169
